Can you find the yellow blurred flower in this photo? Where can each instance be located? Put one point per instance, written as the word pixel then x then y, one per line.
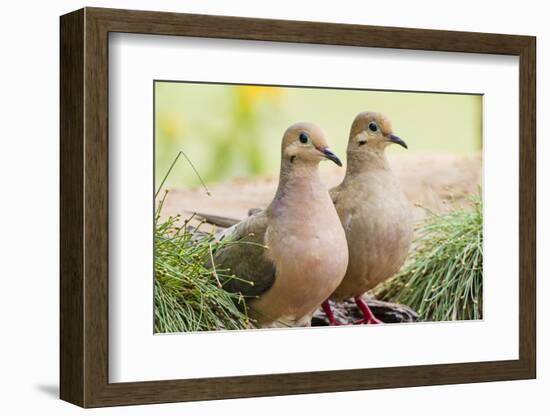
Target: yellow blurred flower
pixel 171 124
pixel 250 95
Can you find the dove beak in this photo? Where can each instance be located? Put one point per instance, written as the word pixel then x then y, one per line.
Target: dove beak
pixel 330 156
pixel 397 140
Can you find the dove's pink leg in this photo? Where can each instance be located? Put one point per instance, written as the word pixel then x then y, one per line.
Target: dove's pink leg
pixel 368 316
pixel 328 311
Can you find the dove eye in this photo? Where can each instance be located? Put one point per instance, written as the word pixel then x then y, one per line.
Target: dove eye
pixel 372 126
pixel 304 138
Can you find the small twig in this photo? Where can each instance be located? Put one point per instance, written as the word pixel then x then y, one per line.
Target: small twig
pixel 199 176
pixel 181 152
pixel 213 265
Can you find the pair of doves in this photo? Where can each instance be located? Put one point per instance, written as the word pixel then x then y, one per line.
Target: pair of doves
pixel 311 245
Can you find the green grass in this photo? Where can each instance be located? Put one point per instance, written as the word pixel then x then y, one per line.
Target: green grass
pixel 443 279
pixel 188 295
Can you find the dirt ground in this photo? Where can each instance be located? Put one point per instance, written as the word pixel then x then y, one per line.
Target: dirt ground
pixel 436 181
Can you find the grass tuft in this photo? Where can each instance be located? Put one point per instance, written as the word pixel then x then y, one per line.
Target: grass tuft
pixel 188 294
pixel 443 278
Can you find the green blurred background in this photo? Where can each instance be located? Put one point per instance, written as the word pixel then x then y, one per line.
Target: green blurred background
pixel 235 130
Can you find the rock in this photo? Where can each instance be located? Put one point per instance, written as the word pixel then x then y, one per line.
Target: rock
pixel 347 312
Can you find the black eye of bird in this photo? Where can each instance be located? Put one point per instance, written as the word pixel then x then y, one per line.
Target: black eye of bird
pixel 304 138
pixel 373 126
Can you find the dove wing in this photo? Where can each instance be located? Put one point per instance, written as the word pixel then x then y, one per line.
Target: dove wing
pixel 246 257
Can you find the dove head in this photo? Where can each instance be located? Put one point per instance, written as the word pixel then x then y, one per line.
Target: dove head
pixel 372 132
pixel 306 144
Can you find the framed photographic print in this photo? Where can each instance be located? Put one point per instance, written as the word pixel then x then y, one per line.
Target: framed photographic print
pixel 255 207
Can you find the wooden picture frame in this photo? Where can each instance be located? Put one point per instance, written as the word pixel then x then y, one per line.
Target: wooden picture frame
pixel 84 207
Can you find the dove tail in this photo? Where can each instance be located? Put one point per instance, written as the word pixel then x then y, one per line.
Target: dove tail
pixel 217 220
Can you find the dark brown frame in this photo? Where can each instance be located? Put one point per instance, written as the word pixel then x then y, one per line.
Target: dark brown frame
pixel 84 208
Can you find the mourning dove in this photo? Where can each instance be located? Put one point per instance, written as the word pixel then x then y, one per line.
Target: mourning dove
pixel 375 213
pixel 294 252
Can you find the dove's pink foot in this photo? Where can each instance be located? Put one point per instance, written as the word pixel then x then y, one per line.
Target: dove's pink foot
pixel 368 316
pixel 328 312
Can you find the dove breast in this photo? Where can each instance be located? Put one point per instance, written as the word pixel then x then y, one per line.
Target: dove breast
pixel 311 259
pixel 377 219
